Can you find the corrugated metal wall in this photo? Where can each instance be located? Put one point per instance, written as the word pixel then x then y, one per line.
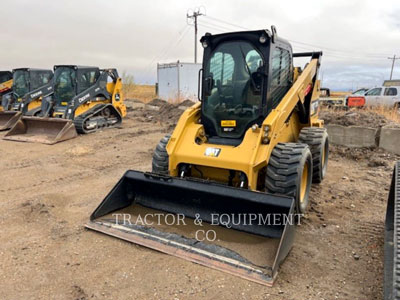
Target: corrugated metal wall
pixel 178 81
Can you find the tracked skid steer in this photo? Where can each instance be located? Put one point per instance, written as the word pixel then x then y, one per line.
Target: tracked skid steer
pixel 83 100
pixel 228 186
pixel 24 95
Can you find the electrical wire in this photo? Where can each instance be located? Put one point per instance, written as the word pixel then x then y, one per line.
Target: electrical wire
pixel 327 50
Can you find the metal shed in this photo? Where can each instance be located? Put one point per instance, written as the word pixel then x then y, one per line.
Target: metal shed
pixel 394 82
pixel 178 81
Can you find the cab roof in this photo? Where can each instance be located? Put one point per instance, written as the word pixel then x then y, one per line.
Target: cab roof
pixel 76 67
pixel 31 69
pixel 251 35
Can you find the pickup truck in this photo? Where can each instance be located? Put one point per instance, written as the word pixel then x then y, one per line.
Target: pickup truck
pixel 380 96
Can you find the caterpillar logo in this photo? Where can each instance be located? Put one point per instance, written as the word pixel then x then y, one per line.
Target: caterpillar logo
pixel 83 98
pixel 212 152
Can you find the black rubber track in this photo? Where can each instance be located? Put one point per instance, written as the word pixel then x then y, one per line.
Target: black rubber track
pixel 80 120
pixel 283 170
pixel 316 138
pixel 160 157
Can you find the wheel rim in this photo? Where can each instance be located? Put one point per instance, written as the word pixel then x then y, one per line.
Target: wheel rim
pixel 304 183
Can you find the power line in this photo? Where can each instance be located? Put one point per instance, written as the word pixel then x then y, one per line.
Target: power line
pixel 219 30
pixel 218 26
pixel 339 52
pixel 168 48
pixel 227 23
pixel 393 60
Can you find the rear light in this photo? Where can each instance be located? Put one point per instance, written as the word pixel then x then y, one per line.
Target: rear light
pixel 307 90
pixel 355 101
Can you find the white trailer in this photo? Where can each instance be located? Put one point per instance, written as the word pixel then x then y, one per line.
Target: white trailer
pixel 178 81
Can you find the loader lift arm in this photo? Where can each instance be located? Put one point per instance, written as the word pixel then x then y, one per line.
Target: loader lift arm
pixel 41 92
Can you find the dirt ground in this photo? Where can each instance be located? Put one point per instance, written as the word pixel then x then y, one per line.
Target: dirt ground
pixel 48 192
pixel 357 117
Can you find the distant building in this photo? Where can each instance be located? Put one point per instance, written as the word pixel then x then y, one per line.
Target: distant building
pixel 394 82
pixel 178 81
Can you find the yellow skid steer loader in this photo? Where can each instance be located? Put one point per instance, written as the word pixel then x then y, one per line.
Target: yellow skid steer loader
pixel 5 83
pixel 226 185
pixel 83 100
pixel 25 96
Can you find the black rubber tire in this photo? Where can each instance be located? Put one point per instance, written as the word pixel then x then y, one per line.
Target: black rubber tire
pixel 285 170
pixel 160 157
pixel 318 141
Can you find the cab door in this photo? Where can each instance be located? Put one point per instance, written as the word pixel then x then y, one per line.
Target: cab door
pixel 390 96
pixel 371 97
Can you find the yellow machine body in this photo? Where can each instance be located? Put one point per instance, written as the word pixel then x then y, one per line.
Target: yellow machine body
pixel 253 154
pixel 4 88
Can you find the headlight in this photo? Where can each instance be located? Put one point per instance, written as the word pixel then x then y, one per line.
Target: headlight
pixel 204 44
pixel 262 39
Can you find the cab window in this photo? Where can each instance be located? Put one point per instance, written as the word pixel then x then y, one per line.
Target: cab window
pixel 374 92
pixel 86 79
pixel 280 78
pixel 390 92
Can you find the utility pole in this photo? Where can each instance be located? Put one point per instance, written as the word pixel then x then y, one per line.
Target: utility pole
pixel 194 17
pixel 393 60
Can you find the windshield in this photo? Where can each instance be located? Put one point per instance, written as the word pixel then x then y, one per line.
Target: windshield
pixel 21 82
pixel 64 84
pixel 360 92
pixel 233 99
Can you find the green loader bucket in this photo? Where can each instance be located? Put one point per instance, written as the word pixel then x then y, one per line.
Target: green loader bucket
pixel 42 130
pixel 238 231
pixel 8 119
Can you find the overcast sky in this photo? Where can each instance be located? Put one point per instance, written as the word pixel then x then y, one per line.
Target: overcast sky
pixel 356 36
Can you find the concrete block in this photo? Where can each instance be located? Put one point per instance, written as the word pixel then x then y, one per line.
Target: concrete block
pixel 152 107
pixel 352 136
pixel 390 139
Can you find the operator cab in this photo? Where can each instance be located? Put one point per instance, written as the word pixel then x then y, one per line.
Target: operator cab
pixel 26 80
pixel 70 81
pixel 5 76
pixel 245 76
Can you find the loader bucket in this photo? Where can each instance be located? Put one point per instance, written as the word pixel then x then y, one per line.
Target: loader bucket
pixel 8 119
pixel 42 130
pixel 392 240
pixel 163 213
